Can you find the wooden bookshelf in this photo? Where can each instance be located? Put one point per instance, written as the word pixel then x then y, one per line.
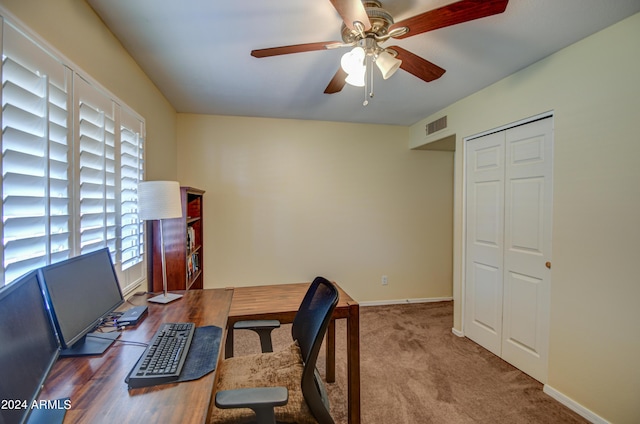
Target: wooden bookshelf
pixel 183 245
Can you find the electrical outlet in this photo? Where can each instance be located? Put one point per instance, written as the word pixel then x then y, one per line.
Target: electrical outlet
pixel 385 280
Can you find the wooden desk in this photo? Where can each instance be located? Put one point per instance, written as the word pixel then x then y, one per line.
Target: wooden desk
pixel 96 387
pixel 281 302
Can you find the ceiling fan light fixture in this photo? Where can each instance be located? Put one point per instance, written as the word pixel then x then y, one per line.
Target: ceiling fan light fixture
pixel 353 62
pixel 387 63
pixel 357 79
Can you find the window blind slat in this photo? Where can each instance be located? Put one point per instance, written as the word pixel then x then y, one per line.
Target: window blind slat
pixel 24 227
pixel 24 249
pixel 14 139
pixel 58 134
pixel 91 131
pixel 57 115
pixel 21 76
pixel 23 206
pixel 24 163
pixel 23 185
pixel 23 120
pixel 23 99
pixel 91 145
pixel 60 225
pixel 58 96
pixel 60 242
pixel 90 114
pixel 16 269
pixel 58 170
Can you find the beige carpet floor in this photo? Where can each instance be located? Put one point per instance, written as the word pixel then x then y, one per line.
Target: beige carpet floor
pixel 414 370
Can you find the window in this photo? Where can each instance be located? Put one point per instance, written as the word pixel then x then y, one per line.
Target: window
pixel 72 157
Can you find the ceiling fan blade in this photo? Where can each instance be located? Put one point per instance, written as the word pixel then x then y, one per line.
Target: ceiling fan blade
pixel 417 66
pixel 337 82
pixel 451 14
pixel 296 48
pixel 352 11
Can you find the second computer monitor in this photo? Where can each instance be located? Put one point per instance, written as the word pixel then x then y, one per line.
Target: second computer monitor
pixel 81 292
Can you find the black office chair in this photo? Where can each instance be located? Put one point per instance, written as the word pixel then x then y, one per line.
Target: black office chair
pixel 291 390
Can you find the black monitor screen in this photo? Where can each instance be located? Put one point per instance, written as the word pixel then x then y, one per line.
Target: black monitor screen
pixel 81 291
pixel 28 346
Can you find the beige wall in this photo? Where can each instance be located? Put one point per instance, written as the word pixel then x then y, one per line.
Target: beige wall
pixel 594 91
pixel 287 200
pixel 72 28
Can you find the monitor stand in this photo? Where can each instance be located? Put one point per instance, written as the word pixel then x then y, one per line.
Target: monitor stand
pixel 165 298
pixel 92 344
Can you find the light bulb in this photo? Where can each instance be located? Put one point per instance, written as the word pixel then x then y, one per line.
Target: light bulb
pixel 356 78
pixel 353 61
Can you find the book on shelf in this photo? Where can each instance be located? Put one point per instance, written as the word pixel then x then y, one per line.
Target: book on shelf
pixel 190 265
pixel 191 239
pixel 196 261
pixel 193 264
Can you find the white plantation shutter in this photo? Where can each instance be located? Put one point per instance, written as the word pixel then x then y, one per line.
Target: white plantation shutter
pixel 35 152
pixel 131 167
pixel 60 175
pixel 72 157
pixel 96 173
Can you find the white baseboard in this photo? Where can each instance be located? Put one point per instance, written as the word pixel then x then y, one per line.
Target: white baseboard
pixel 457 332
pixel 402 301
pixel 574 406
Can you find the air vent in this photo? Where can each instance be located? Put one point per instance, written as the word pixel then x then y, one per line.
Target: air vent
pixel 437 125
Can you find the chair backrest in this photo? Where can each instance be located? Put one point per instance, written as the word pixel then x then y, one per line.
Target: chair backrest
pixel 309 327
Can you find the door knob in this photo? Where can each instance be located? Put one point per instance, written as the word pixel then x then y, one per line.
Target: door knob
pixel 548 265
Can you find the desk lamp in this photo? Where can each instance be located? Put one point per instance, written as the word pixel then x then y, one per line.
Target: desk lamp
pixel 160 200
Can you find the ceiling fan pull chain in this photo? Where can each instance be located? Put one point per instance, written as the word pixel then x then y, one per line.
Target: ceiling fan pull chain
pixel 371 60
pixel 366 101
pixel 367 72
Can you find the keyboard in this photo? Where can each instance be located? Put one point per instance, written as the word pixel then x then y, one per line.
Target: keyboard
pixel 163 359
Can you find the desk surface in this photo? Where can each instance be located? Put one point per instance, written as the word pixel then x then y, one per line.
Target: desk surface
pixel 279 301
pixel 96 385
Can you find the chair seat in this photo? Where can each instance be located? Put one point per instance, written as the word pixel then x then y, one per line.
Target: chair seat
pixel 282 368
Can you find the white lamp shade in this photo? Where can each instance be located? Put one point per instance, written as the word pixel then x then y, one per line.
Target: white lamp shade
pixel 387 64
pixel 353 61
pixel 159 200
pixel 356 78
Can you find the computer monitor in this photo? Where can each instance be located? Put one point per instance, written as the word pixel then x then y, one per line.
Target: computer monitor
pixel 28 347
pixel 81 292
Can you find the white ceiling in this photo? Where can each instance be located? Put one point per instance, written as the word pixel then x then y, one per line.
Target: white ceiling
pixel 197 52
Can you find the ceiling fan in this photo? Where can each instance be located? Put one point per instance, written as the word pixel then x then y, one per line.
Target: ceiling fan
pixel 366 25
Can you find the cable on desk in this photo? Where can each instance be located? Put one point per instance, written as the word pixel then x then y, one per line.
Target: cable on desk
pixel 129 342
pixel 140 293
pixel 110 321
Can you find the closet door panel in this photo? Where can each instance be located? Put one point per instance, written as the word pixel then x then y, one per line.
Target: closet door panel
pixel 528 200
pixel 485 235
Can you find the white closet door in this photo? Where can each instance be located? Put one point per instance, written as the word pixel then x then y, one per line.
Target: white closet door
pixel 528 198
pixel 485 238
pixel 508 244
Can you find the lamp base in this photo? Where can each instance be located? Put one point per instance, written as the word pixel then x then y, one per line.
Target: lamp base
pixel 165 298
